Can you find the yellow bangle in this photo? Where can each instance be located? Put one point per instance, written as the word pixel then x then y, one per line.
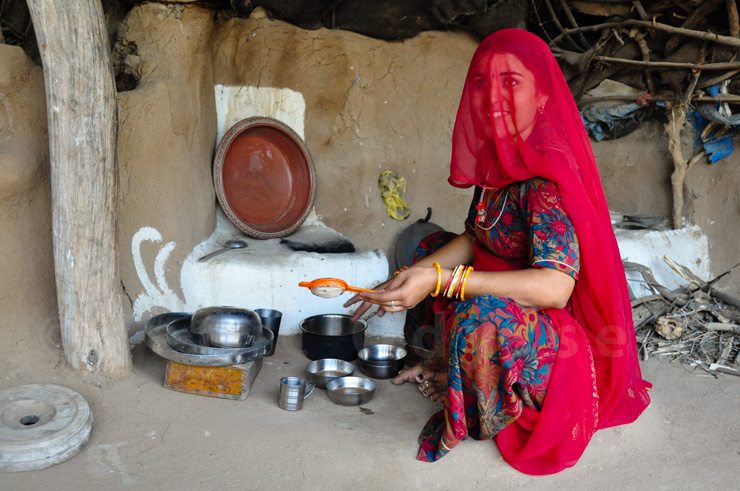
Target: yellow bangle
pixel 464 282
pixel 439 278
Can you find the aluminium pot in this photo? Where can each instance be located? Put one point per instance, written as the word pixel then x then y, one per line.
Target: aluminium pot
pixel 332 336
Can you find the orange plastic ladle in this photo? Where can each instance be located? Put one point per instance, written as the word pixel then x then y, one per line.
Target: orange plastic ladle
pixel 331 287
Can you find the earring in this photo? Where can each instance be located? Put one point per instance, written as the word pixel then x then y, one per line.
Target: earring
pixel 541 109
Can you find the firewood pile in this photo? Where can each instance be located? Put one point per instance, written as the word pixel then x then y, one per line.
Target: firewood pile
pixel 690 324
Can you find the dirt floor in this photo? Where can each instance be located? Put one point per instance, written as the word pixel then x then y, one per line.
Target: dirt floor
pixel 147 437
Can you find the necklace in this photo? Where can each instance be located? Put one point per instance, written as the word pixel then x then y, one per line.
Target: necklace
pixel 482 212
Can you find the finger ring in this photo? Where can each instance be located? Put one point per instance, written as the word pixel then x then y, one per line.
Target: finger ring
pixel 393 303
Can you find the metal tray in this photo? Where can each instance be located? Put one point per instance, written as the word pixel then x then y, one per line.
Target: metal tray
pixel 155 336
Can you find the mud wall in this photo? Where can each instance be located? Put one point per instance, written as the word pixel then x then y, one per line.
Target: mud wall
pixel 165 140
pixel 29 320
pixel 636 174
pixel 371 105
pixel 713 203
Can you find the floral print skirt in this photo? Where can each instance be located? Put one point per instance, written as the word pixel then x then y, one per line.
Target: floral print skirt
pixel 500 357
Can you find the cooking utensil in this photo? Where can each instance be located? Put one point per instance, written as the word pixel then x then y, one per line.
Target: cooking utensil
pixel 226 327
pixel 292 392
pixel 381 360
pixel 181 339
pixel 350 391
pixel 332 336
pixel 408 240
pixel 264 178
pixel 322 371
pixel 331 287
pixel 155 336
pixel 271 320
pixel 228 245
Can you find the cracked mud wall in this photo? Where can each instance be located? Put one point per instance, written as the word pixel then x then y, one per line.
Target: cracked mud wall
pixel 29 326
pixel 713 202
pixel 166 138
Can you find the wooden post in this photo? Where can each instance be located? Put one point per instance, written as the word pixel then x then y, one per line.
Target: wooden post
pixel 82 115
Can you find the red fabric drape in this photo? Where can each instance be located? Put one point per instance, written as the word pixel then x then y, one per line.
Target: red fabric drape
pixel 517 120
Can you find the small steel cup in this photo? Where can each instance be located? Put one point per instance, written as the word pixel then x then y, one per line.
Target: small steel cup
pixel 271 320
pixel 292 392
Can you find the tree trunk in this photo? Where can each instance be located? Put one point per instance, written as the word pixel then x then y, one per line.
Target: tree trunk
pixel 82 114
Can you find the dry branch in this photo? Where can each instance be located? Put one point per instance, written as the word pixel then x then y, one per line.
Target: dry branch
pixel 650 65
pixel 691 33
pixel 723 327
pixel 687 330
pixel 685 273
pixel 693 20
pixel 734 21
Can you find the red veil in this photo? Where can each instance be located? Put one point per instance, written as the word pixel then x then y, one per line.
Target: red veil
pixel 503 135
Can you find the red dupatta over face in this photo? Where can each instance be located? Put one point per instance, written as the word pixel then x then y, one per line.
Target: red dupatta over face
pixel 517 120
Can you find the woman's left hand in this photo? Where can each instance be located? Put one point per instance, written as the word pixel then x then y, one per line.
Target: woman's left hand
pixel 405 290
pixel 365 305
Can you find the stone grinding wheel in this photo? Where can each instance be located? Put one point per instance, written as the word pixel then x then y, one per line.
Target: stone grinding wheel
pixel 41 425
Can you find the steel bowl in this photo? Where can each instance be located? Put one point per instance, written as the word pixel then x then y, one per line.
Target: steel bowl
pixel 381 360
pixel 320 372
pixel 226 327
pixel 350 391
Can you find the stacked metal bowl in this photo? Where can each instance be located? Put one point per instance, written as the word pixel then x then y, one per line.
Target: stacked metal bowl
pixel 381 360
pixel 226 327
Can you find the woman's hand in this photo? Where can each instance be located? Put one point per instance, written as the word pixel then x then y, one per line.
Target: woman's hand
pixel 404 291
pixel 365 305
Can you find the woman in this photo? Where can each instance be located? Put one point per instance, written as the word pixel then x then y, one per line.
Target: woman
pixel 538 341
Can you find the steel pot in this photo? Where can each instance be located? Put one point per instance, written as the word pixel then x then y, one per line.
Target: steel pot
pixel 332 336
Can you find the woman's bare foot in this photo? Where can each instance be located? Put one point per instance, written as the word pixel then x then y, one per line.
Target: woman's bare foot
pixel 408 375
pixel 431 384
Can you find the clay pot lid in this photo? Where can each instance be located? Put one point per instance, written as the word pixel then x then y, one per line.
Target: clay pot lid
pixel 264 178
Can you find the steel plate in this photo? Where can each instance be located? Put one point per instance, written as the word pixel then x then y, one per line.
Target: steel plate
pixel 155 336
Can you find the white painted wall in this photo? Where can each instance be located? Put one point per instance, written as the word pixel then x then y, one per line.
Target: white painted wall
pixel 686 246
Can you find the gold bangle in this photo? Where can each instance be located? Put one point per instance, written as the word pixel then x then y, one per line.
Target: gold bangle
pixel 464 282
pixel 439 278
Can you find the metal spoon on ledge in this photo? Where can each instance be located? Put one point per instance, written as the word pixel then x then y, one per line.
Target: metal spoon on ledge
pixel 228 245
